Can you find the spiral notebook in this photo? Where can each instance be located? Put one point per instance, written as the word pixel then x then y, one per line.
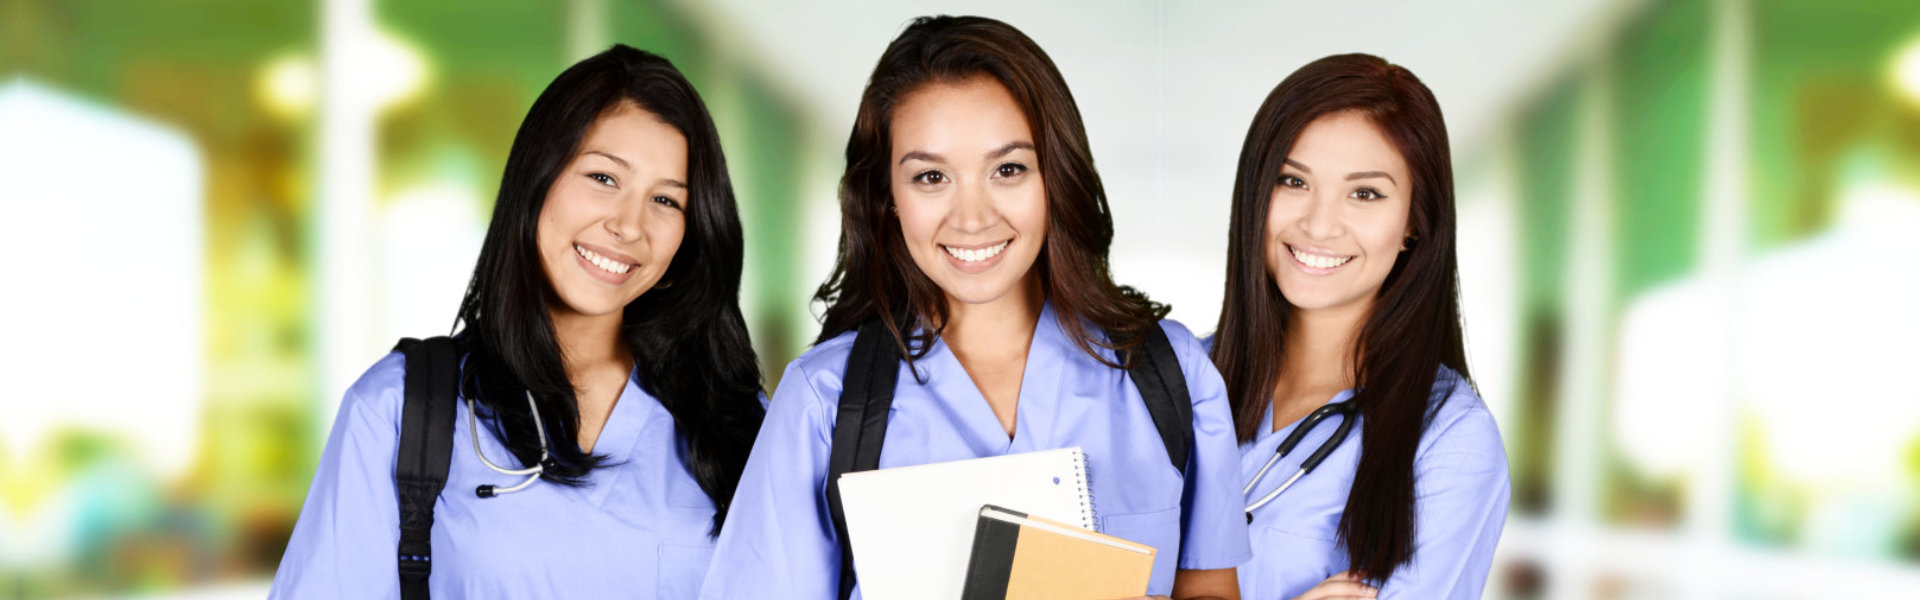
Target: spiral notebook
pixel 912 527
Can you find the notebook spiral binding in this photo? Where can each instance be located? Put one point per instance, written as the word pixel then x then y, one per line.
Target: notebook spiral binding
pixel 1089 514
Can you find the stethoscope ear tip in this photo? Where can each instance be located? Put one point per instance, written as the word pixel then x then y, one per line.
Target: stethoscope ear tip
pixel 486 491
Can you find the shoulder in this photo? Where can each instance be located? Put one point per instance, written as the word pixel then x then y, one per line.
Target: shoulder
pixel 1185 343
pixel 380 391
pixel 814 379
pixel 1189 349
pixel 828 357
pixel 1460 423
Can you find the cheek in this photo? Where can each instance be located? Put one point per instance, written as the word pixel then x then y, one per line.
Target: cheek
pixel 560 216
pixel 1385 235
pixel 1028 212
pixel 917 223
pixel 666 242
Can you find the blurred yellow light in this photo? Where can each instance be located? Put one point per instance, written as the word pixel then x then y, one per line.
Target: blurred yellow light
pixel 288 86
pixel 1906 71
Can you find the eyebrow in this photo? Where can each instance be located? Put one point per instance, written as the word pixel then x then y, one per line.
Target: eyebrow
pixel 1371 174
pixel 623 162
pixel 1009 148
pixel 1350 176
pixel 674 183
pixel 996 153
pixel 918 155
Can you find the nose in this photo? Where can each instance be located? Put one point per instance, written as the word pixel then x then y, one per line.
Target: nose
pixel 1320 217
pixel 973 209
pixel 628 223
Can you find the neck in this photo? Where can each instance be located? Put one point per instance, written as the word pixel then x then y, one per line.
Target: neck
pixel 984 330
pixel 1320 346
pixel 589 343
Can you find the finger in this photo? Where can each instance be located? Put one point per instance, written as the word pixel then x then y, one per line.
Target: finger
pixel 1334 588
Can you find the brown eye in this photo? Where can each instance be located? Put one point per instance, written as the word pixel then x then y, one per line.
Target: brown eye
pixel 930 178
pixel 1293 182
pixel 667 200
pixel 603 178
pixel 1367 194
pixel 1010 170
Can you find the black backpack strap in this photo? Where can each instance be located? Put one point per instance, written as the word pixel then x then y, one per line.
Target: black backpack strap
pixel 866 395
pixel 1164 388
pixel 426 450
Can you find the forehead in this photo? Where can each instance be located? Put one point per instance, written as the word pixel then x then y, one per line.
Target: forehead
pixel 977 113
pixel 634 134
pixel 1344 142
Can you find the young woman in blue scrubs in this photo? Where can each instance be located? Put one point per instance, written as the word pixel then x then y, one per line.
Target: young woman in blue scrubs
pixel 970 205
pixel 1342 286
pixel 605 295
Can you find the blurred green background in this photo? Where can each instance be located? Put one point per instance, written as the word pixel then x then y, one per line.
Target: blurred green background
pixel 1688 243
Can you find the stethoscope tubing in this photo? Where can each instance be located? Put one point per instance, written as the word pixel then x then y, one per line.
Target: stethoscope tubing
pixel 1345 409
pixel 533 473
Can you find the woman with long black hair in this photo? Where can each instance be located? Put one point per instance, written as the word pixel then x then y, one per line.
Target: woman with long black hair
pixel 603 359
pixel 1342 316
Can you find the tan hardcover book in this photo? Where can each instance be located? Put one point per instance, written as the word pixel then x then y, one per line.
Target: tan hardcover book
pixel 1019 557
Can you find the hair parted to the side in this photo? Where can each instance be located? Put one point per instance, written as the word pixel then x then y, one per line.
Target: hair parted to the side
pixel 688 339
pixel 874 277
pixel 1414 326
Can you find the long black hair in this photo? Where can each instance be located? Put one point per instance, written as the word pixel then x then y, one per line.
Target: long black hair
pixel 688 340
pixel 873 275
pixel 1414 326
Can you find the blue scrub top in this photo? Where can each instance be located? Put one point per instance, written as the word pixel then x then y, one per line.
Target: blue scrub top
pixel 1460 496
pixel 637 530
pixel 779 541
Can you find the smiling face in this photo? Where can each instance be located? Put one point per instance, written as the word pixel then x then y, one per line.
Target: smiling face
pixel 1337 217
pixel 967 187
pixel 615 215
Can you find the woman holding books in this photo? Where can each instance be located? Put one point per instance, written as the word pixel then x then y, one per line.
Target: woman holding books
pixel 1342 299
pixel 974 250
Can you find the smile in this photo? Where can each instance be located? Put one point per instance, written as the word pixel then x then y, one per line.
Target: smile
pixel 605 264
pixel 1318 261
pixel 974 255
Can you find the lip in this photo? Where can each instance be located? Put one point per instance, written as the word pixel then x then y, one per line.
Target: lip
pixel 602 274
pixel 974 267
pixel 1312 270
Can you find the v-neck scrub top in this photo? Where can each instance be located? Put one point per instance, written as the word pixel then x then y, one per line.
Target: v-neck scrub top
pixel 1460 500
pixel 638 529
pixel 779 540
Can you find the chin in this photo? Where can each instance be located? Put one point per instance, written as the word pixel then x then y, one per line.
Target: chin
pixel 977 293
pixel 593 305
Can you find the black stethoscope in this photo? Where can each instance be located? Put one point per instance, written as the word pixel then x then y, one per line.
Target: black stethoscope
pixel 532 473
pixel 1345 409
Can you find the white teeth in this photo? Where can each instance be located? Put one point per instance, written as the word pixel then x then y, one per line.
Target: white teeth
pixel 605 264
pixel 1318 261
pixel 976 254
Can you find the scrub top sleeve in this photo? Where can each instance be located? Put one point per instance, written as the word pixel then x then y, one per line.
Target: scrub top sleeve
pixel 778 540
pixel 1215 535
pixel 1461 490
pixel 345 543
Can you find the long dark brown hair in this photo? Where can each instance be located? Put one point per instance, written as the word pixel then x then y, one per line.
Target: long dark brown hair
pixel 875 278
pixel 1414 326
pixel 689 340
